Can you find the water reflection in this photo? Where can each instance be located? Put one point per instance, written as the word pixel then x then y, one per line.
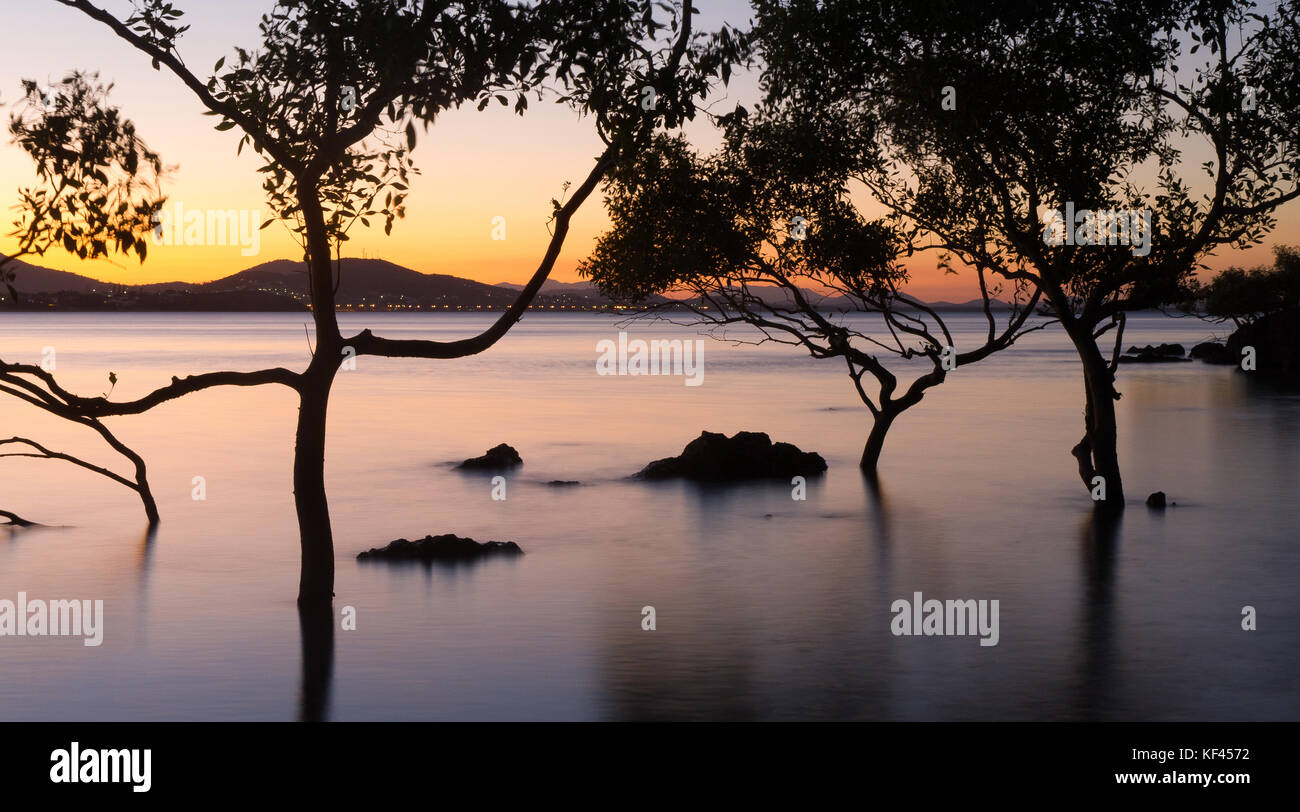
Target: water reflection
pixel 316 625
pixel 1099 537
pixel 768 608
pixel 146 548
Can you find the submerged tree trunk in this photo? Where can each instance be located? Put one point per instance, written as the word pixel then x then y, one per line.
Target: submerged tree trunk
pixel 146 497
pixel 142 486
pixel 1098 451
pixel 876 441
pixel 316 584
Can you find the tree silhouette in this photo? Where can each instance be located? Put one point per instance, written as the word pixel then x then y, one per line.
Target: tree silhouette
pixel 328 163
pixel 987 117
pixel 1245 296
pixel 764 233
pixel 96 194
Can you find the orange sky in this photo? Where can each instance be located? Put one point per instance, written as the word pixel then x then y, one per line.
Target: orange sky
pixel 476 166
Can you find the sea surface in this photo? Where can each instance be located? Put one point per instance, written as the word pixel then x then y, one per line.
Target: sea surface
pixel 766 607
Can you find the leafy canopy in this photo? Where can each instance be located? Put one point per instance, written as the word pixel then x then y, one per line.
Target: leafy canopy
pixel 98 184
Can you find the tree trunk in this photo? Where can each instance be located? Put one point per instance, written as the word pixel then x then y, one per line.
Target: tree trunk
pixel 316 585
pixel 146 494
pixel 876 441
pixel 1098 452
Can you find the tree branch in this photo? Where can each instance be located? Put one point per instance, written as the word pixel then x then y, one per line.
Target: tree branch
pixel 191 81
pixel 66 404
pixel 14 520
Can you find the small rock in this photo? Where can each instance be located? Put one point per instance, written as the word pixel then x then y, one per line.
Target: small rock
pixel 500 457
pixel 446 547
pixel 1156 500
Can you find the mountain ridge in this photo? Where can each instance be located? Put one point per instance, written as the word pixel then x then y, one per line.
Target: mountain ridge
pixel 282 284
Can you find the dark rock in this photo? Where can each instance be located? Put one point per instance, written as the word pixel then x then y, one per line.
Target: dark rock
pixel 1163 349
pixel 563 483
pixel 1150 358
pixel 1156 500
pixel 713 457
pixel 1276 339
pixel 1165 353
pixel 496 459
pixel 447 547
pixel 1211 352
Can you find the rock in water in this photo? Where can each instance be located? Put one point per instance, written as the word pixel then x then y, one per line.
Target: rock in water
pixel 1156 500
pixel 1163 354
pixel 1275 338
pixel 1212 352
pixel 1163 349
pixel 713 457
pixel 447 547
pixel 496 459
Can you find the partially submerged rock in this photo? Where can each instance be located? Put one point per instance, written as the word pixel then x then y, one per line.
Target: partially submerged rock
pixel 714 457
pixel 1163 354
pixel 1275 341
pixel 1156 500
pixel 496 459
pixel 446 547
pixel 563 483
pixel 1212 352
pixel 1163 349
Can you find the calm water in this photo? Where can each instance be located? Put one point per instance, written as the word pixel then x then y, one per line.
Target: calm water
pixel 767 608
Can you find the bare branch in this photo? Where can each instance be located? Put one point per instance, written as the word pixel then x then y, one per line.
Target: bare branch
pixel 66 404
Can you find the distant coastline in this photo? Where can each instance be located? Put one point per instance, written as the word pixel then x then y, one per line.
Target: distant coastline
pixel 366 285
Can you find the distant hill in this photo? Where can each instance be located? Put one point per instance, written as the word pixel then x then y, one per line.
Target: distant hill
pixel 369 284
pixel 551 286
pixel 366 281
pixel 280 284
pixel 35 279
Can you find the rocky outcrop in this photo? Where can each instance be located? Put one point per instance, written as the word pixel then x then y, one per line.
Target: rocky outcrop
pixel 496 459
pixel 1163 354
pixel 1212 352
pixel 446 547
pixel 1163 349
pixel 713 457
pixel 1276 341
